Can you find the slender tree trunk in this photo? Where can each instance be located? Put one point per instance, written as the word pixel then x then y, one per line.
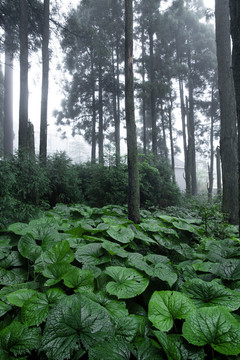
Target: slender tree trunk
pixel 164 150
pixel 210 168
pixel 171 136
pixel 45 73
pixel 144 93
pixel 235 32
pixel 188 156
pixel 23 106
pixel 133 177
pixel 228 135
pixel 93 149
pixel 115 114
pixel 8 104
pixel 100 129
pixel 153 95
pixel 218 169
pixel 31 140
pixel 191 131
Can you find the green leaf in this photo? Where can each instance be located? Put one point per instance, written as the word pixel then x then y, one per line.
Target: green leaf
pixel 168 344
pixel 183 225
pixel 166 273
pixel 36 309
pixel 14 259
pixel 14 276
pixel 214 326
pixel 19 339
pixel 146 350
pixel 229 269
pixel 150 225
pixel 166 306
pixel 28 247
pixel 121 233
pixel 79 279
pixel 137 261
pixel 57 254
pixel 5 247
pixel 76 318
pixel 128 282
pixel 126 328
pixel 18 228
pixel 55 272
pixel 114 249
pixel 19 297
pixel 4 308
pixel 211 294
pixel 91 254
pixel 115 350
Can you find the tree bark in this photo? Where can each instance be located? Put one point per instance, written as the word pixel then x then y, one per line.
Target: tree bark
pixel 45 73
pixel 228 135
pixel 100 113
pixel 8 103
pixel 235 33
pixel 133 177
pixel 23 106
pixel 93 150
pixel 210 168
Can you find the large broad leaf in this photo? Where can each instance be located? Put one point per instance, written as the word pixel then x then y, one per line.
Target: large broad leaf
pixel 36 309
pixel 214 326
pixel 145 349
pixel 91 254
pixel 14 259
pixel 79 279
pixel 5 247
pixel 114 249
pixel 4 308
pixel 127 283
pixel 166 306
pixel 18 339
pixel 166 273
pixel 115 350
pixel 126 328
pixel 57 254
pixel 169 345
pixel 121 233
pixel 176 347
pixel 73 320
pixel 18 228
pixel 14 276
pixel 28 247
pixel 211 294
pixel 56 272
pixel 19 297
pixel 137 261
pixel 229 269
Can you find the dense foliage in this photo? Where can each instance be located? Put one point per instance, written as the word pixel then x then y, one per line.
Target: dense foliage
pixel 26 186
pixel 87 283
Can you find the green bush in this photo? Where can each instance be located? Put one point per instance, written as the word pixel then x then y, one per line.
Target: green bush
pixel 156 185
pixel 103 185
pixel 65 183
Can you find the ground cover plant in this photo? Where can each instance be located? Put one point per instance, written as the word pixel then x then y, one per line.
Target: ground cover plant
pixel 87 283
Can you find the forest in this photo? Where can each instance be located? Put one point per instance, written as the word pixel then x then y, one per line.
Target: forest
pixel 130 255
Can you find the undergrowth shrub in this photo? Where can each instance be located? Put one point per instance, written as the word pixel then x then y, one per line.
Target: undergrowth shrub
pixel 102 185
pixel 65 183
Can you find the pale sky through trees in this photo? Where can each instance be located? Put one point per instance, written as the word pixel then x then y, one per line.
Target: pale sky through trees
pixel 55 91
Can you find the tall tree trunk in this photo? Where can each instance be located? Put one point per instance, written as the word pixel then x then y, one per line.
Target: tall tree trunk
pixel 188 156
pixel 235 32
pixel 171 135
pixel 100 129
pixel 210 168
pixel 8 103
pixel 153 94
pixel 93 149
pixel 133 177
pixel 115 114
pixel 144 93
pixel 45 73
pixel 164 150
pixel 23 106
pixel 218 169
pixel 191 130
pixel 228 135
